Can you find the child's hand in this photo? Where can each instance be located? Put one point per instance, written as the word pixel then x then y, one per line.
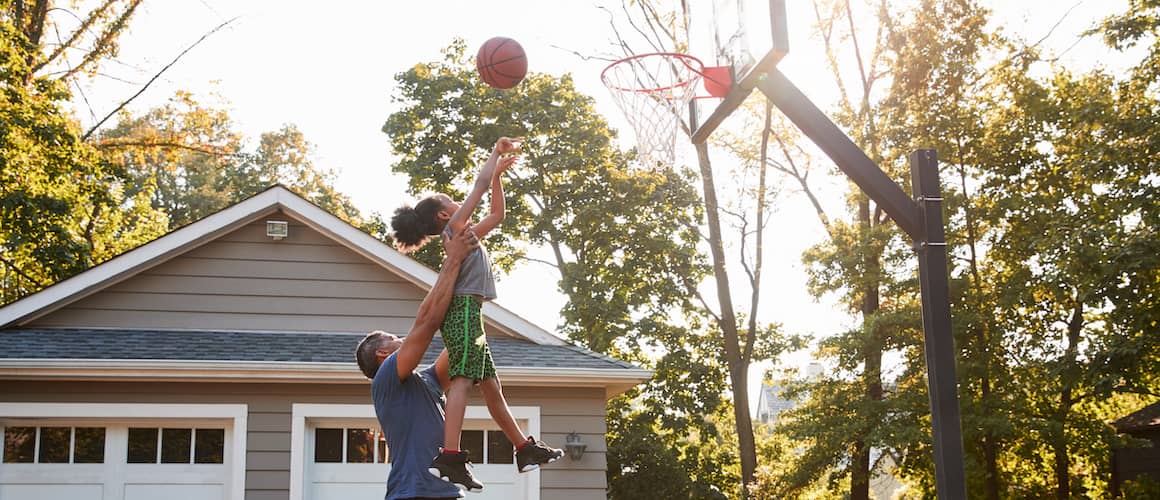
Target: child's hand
pixel 504 163
pixel 507 145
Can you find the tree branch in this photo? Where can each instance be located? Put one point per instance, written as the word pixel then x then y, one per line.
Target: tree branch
pixel 96 14
pixel 114 144
pixel 106 41
pixel 21 273
pixel 155 77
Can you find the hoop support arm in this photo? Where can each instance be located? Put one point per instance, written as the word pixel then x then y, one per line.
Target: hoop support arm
pixel 738 94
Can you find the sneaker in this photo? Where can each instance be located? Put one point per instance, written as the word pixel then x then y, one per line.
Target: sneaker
pixel 534 454
pixel 455 468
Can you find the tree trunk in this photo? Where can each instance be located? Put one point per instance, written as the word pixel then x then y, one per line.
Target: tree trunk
pixel 1071 360
pixel 1062 461
pixel 871 351
pixel 737 364
pixel 990 447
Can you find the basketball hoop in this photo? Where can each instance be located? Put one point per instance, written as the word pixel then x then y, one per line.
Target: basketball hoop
pixel 653 91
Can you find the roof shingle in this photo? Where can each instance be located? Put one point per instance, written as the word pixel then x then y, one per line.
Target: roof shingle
pixel 79 343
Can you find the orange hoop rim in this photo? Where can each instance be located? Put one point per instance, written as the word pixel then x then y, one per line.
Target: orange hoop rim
pixel 690 62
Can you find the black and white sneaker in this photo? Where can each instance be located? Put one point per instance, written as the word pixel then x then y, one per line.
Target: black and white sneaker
pixel 455 468
pixel 534 454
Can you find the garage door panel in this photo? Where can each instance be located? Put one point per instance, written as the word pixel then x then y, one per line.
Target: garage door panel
pixel 174 491
pixel 125 470
pixel 330 474
pixel 53 491
pixel 349 491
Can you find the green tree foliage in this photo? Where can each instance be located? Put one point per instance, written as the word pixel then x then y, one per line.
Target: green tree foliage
pixel 1049 186
pixel 63 208
pixel 200 163
pixel 1077 231
pixel 1140 24
pixel 622 240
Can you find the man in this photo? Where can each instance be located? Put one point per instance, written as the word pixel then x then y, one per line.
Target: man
pixel 409 403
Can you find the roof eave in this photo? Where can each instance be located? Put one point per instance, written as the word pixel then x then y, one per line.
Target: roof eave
pixel 613 381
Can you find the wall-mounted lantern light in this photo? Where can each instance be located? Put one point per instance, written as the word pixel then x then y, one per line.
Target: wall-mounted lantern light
pixel 574 446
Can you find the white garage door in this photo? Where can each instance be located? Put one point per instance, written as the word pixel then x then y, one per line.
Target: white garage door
pixel 347 459
pixel 96 459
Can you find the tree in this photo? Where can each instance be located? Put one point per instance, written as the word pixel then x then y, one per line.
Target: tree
pixel 63 208
pixel 1077 221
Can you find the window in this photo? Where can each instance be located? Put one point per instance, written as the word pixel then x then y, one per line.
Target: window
pixel 352 445
pixel 54 445
pixel 498 449
pixel 152 445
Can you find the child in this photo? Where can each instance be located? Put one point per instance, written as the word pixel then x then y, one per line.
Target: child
pixel 462 329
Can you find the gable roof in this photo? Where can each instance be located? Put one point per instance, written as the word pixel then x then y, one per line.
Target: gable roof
pixel 1146 418
pixel 193 235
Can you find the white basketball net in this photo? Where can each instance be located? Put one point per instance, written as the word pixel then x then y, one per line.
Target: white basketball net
pixel 653 92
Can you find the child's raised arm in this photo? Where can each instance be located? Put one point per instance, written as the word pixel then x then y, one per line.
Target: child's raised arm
pixel 486 174
pixel 496 214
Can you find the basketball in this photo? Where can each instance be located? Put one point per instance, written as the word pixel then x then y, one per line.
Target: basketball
pixel 501 62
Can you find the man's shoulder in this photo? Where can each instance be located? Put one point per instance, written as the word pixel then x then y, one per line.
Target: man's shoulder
pixel 388 374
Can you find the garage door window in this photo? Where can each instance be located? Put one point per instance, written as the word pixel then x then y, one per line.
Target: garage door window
pixel 498 450
pixel 54 445
pixel 349 445
pixel 152 445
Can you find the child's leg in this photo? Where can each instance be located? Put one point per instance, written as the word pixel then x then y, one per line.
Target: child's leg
pixel 454 411
pixel 498 408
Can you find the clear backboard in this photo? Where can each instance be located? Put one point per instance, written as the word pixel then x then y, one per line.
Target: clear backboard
pixel 749 37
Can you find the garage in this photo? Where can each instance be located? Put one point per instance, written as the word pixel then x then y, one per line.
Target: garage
pixel 344 455
pixel 131 452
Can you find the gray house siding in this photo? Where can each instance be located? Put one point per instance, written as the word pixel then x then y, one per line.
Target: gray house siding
pixel 562 410
pixel 244 280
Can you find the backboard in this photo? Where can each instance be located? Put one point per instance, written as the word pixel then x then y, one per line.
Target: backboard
pixel 747 36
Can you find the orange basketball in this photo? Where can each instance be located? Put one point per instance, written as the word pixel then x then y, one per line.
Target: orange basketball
pixel 501 62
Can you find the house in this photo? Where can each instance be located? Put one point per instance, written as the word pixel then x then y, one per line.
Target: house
pixel 1135 463
pixel 216 362
pixel 770 403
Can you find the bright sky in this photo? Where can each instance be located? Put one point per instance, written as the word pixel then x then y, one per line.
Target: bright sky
pixel 328 68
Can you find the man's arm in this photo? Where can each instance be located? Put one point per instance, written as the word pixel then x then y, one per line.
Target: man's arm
pixel 434 306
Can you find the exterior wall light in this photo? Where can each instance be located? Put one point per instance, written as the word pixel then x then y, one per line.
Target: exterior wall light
pixel 277 229
pixel 574 446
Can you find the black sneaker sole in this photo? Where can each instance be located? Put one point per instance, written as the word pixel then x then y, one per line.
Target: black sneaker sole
pixel 435 472
pixel 534 466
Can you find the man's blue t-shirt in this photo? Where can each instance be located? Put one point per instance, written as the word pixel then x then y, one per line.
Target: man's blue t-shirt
pixel 411 415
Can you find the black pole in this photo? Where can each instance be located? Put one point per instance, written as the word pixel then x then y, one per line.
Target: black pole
pixel 950 476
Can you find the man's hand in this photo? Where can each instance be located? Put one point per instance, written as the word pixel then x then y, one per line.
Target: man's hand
pixel 504 163
pixel 458 247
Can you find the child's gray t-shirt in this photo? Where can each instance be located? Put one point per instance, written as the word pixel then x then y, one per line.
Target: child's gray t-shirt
pixel 475 275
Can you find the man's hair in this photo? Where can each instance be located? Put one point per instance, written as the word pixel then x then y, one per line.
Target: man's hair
pixel 365 355
pixel 414 226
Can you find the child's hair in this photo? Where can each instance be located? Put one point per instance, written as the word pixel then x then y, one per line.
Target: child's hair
pixel 414 226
